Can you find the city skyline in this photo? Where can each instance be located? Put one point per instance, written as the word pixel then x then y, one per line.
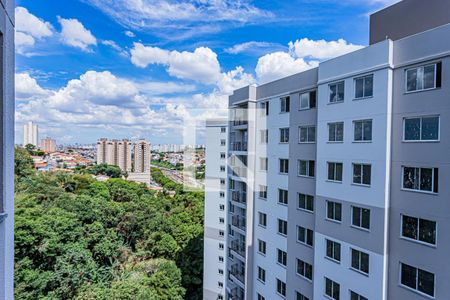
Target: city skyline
pixel 151 76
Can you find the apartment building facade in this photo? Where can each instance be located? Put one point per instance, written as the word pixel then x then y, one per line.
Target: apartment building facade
pixel 115 152
pixel 7 151
pixel 343 168
pixel 30 134
pixel 48 145
pixel 215 244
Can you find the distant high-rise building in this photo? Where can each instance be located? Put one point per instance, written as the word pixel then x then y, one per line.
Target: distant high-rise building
pixel 142 156
pixel 111 153
pixel 30 134
pixel 48 145
pixel 124 155
pixel 114 152
pixel 101 151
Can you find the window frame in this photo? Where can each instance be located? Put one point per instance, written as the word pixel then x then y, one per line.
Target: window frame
pixel 307 140
pixel 333 244
pixel 306 202
pixel 418 240
pixel 281 288
pixel 281 257
pixel 263 164
pixel 284 135
pixel 364 77
pixel 352 207
pixel 284 193
pixel 423 66
pixel 286 105
pixel 262 244
pixel 421 121
pixel 434 184
pixel 360 297
pixel 310 94
pixel 264 215
pixel 334 211
pixel 282 224
pixel 308 168
pixel 363 121
pixel 416 289
pixel 333 283
pixel 335 171
pixel 264 136
pixel 336 83
pixel 262 194
pixel 362 174
pixel 335 132
pixel 304 269
pixel 306 234
pixel 285 166
pixel 262 272
pixel 360 258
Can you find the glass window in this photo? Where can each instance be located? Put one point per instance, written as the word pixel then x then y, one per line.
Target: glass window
pixel 306 168
pixel 282 196
pixel 421 129
pixel 362 174
pixel 336 132
pixel 282 227
pixel 284 166
pixel 263 163
pixel 264 136
pixel 334 211
pixel 333 250
pixel 265 108
pixel 417 279
pixel 361 217
pixel 261 246
pixel 262 219
pixel 281 257
pixel 335 171
pixel 419 229
pixel 360 261
pixel 281 287
pixel 263 191
pixel 356 296
pixel 306 202
pixel 363 130
pixel 332 289
pixel 308 100
pixel 364 87
pixel 423 77
pixel 336 92
pixel 301 296
pixel 304 269
pixel 284 135
pixel 285 104
pixel 307 134
pixel 305 235
pixel 261 274
pixel 421 179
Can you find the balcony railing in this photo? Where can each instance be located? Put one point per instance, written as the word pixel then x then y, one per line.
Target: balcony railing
pixel 238 246
pixel 238 272
pixel 240 122
pixel 239 146
pixel 239 222
pixel 238 196
pixel 237 294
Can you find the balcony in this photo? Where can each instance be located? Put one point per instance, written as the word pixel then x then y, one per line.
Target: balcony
pixel 238 246
pixel 239 222
pixel 239 196
pixel 238 272
pixel 238 146
pixel 239 122
pixel 239 171
pixel 237 294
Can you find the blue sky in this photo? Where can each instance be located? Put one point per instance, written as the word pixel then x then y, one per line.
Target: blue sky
pixel 87 69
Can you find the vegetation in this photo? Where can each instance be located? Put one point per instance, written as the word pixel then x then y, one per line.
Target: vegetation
pixel 167 165
pixel 78 238
pixel 108 170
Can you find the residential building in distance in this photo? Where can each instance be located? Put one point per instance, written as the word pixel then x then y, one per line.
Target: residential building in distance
pixel 336 175
pixel 101 151
pixel 124 155
pixel 7 151
pixel 142 159
pixel 115 152
pixel 30 134
pixel 48 145
pixel 215 248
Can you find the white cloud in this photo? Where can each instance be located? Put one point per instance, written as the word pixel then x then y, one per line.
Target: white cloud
pixel 26 86
pixel 129 34
pixel 181 19
pixel 321 49
pixel 233 80
pixel 252 47
pixel 29 28
pixel 201 65
pixel 74 34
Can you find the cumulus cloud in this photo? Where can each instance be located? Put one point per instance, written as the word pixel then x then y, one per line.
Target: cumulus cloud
pixel 201 65
pixel 321 49
pixel 74 34
pixel 29 28
pixel 181 19
pixel 26 86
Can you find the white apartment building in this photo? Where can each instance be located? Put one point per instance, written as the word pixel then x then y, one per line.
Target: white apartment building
pixel 215 247
pixel 30 134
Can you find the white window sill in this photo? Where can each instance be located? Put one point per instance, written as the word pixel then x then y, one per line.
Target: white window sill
pixel 359 271
pixel 420 141
pixel 333 181
pixel 332 260
pixel 360 228
pixel 362 142
pixel 362 98
pixel 303 277
pixel 361 185
pixel 419 191
pixel 418 242
pixel 305 244
pixel 416 291
pixel 335 142
pixel 334 221
pixel 335 102
pixel 308 143
pixel 422 90
pixel 306 210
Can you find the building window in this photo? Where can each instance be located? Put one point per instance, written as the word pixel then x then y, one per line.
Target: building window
pixel 417 279
pixel 221 259
pixel 335 171
pixel 360 261
pixel 284 166
pixel 260 297
pixel 222 142
pixel 308 100
pixel 336 92
pixel 417 229
pixel 263 191
pixel 262 221
pixel 263 163
pixel 264 136
pixel 362 131
pixel 282 196
pixel 306 202
pixel 219 297
pixel 221 233
pixel 421 129
pixel 220 284
pixel 261 274
pixel 284 135
pixel 221 220
pixel 222 194
pixel 301 296
pixel 221 207
pixel 281 257
pixel 281 287
pixel 222 181
pixel 305 236
pixel 221 246
pixel 285 104
pixel 421 179
pixel 304 269
pixel 265 108
pixel 223 129
pixel 307 134
pixel 362 174
pixel 306 168
pixel 423 77
pixel 262 247
pixel 282 227
pixel 356 296
pixel 334 211
pixel 222 155
pixel 222 168
pixel 361 217
pixel 364 87
pixel 336 132
pixel 333 250
pixel 332 289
